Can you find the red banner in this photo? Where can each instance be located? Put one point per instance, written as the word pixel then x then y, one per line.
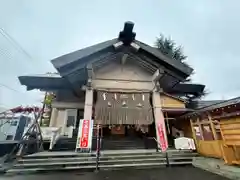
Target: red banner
pixel 162 138
pixel 85 134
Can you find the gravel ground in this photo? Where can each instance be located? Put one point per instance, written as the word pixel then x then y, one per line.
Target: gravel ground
pixel 174 173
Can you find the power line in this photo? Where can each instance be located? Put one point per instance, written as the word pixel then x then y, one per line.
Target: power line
pixel 12 89
pixel 14 43
pixel 6 54
pixel 3 85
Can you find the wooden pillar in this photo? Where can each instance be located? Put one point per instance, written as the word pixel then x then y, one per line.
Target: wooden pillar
pixel 212 127
pixel 88 104
pixel 193 131
pixel 200 128
pixel 159 119
pixel 87 115
pixel 168 127
pixel 53 117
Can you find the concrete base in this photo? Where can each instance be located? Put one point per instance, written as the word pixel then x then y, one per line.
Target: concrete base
pixel 217 166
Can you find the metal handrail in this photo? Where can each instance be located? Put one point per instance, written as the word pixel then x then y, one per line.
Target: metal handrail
pixel 166 154
pixel 156 142
pixel 98 149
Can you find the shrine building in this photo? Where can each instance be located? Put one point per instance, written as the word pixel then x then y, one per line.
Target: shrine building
pixel 128 88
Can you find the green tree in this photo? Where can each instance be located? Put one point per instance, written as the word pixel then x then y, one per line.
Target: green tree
pixel 169 48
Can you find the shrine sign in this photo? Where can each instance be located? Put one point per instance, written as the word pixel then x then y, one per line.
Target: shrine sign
pixel 162 139
pixel 84 139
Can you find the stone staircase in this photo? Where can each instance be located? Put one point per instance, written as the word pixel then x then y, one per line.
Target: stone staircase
pixel 65 143
pixel 113 143
pixel 122 144
pixel 52 161
pixel 118 143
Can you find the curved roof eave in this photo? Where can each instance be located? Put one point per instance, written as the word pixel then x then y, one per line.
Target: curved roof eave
pixel 180 66
pixel 74 61
pixel 186 88
pixel 72 57
pixel 43 82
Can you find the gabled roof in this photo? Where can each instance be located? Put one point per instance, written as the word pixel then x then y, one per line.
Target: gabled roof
pixel 215 105
pixel 79 56
pixel 75 61
pixel 72 67
pixel 221 104
pixel 180 66
pixel 201 104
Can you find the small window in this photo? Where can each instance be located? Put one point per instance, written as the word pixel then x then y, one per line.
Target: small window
pixel 197 133
pixel 207 133
pixel 70 121
pixel 14 123
pixel 218 131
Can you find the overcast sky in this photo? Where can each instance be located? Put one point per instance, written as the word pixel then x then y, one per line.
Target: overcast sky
pixel 207 29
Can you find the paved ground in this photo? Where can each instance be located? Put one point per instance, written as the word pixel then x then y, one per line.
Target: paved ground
pixel 178 173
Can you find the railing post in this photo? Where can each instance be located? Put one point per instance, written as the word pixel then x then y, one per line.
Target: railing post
pixel 98 149
pixel 157 149
pixel 167 159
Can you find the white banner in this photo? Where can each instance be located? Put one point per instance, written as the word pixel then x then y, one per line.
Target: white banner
pixel 84 139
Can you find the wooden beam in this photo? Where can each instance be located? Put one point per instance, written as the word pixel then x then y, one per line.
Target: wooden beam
pixel 118 45
pixel 166 118
pixel 90 75
pixel 193 133
pixel 135 46
pixel 201 123
pixel 124 58
pixel 200 129
pixel 157 75
pixel 212 127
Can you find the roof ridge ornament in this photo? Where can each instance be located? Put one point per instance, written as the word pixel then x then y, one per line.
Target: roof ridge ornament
pixel 127 36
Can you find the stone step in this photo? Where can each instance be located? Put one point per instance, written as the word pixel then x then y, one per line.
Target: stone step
pixel 91 167
pixel 77 159
pixel 49 155
pixel 122 147
pixel 182 154
pixel 107 160
pixel 90 162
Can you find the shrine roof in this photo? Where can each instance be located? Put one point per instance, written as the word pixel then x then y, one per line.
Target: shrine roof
pixel 213 105
pixel 182 89
pixel 55 82
pixel 202 103
pixel 73 72
pixel 74 61
pixel 221 104
pixel 44 82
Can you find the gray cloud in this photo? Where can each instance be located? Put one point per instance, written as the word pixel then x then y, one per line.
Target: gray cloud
pixel 208 31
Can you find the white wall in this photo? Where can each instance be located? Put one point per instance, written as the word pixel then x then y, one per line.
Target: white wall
pixel 59 118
